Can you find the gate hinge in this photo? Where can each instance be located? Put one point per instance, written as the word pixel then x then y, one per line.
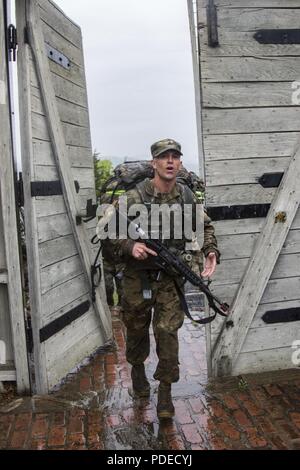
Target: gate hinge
pixel 20 191
pixel 12 43
pixel 212 24
pixel 29 335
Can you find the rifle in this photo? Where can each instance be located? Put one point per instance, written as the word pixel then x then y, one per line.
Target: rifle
pixel 166 261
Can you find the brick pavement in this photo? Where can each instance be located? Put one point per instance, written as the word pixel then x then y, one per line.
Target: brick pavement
pixel 93 409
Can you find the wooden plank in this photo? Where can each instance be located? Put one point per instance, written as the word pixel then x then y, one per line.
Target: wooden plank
pixel 262 309
pixel 50 205
pixel 57 134
pixel 67 307
pixel 197 87
pixel 233 270
pixel 263 361
pixel 262 145
pixel 243 170
pixel 3 276
pixel 68 112
pixel 5 326
pixel 74 135
pixel 57 250
pixel 8 375
pixel 52 227
pixel 59 21
pixel 240 226
pixel 245 95
pixel 242 245
pixel 74 74
pixel 259 324
pixel 10 231
pixel 57 40
pixel 250 69
pixel 261 265
pixel 239 194
pixel 251 19
pixel 84 176
pixel 276 291
pixel 78 156
pixel 58 273
pixel 29 209
pixel 254 3
pixel 58 297
pixel 242 44
pixel 75 347
pixel 64 89
pixel 271 337
pixel 249 120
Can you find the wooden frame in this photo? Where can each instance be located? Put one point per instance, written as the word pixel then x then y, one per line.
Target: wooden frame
pixel 12 275
pixel 59 147
pixel 251 289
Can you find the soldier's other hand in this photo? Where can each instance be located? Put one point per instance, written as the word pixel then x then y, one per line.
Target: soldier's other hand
pixel 210 265
pixel 140 251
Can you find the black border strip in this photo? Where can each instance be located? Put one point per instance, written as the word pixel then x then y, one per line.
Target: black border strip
pixel 277 36
pixel 284 315
pixel 248 211
pixel 60 323
pixel 46 188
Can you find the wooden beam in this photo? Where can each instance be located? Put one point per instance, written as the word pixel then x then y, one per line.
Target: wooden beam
pixel 261 265
pixel 8 210
pixel 37 43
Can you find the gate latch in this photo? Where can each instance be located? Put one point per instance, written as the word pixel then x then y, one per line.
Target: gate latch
pixel 12 43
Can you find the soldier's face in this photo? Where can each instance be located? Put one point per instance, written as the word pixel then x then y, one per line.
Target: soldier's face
pixel 167 165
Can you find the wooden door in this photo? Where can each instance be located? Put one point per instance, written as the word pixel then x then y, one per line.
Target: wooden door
pixel 58 180
pixel 251 127
pixel 13 350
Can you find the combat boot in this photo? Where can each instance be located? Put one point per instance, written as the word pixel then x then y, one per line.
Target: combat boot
pixel 140 384
pixel 165 407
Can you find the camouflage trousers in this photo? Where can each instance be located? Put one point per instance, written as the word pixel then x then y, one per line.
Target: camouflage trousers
pixel 167 319
pixel 111 274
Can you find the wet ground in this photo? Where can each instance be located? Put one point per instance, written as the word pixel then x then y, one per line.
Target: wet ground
pixel 94 410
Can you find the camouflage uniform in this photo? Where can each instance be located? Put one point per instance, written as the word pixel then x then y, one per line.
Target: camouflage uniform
pixel 112 277
pixel 168 315
pixel 112 271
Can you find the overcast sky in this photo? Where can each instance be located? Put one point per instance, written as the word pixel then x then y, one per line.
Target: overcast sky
pixel 139 74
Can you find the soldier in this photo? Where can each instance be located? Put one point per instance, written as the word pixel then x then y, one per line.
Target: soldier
pixel 141 276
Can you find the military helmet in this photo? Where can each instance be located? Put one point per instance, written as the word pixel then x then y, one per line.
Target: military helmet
pixel 163 145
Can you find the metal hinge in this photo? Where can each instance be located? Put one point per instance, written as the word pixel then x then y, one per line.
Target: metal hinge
pixel 212 24
pixel 29 335
pixel 20 191
pixel 12 43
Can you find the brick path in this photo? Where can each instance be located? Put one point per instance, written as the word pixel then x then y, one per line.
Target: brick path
pixel 93 410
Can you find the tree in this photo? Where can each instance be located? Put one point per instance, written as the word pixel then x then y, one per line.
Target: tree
pixel 103 170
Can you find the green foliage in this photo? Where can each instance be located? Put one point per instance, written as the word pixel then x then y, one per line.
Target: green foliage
pixel 103 170
pixel 243 384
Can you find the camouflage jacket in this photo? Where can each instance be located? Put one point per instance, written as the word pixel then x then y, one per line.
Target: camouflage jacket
pixel 122 249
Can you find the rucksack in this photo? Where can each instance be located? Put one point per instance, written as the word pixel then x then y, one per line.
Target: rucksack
pixel 127 175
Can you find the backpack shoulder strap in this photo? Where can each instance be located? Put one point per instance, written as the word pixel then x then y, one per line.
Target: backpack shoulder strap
pixel 187 194
pixel 141 189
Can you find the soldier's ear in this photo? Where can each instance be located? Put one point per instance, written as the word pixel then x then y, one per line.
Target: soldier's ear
pixel 153 162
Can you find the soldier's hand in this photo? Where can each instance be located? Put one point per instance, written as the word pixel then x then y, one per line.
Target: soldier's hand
pixel 210 265
pixel 140 251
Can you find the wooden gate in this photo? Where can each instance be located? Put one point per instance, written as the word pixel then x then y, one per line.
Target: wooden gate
pixel 13 351
pixel 249 68
pixel 58 180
